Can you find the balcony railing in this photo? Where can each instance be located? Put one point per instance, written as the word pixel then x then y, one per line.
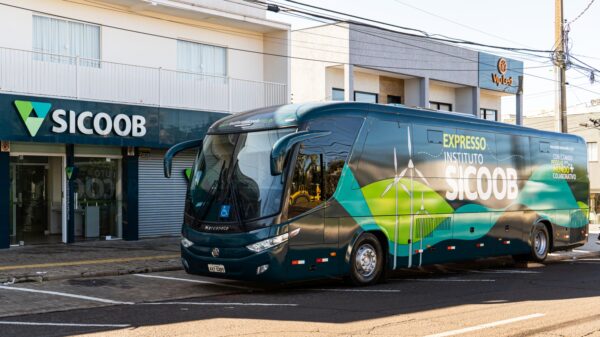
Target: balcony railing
pixel 46 74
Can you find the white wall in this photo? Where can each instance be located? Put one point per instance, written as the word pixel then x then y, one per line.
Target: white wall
pixel 277 69
pixel 362 81
pixel 442 94
pixel 118 45
pixel 490 101
pixel 366 82
pixel 20 25
pixel 311 80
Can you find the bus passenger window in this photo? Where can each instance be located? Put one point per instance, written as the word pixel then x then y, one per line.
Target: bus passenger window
pixel 435 137
pixel 307 182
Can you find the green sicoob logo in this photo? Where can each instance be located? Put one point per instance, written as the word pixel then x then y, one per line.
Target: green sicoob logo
pixel 33 114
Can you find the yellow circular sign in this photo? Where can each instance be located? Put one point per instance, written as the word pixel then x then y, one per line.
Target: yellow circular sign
pixel 502 66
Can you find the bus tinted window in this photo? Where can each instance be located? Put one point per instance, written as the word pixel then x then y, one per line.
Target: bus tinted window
pixel 386 145
pixel 336 147
pixel 307 181
pixel 513 151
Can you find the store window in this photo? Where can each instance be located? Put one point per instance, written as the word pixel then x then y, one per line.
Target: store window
pixel 62 41
pixel 489 114
pixel 366 97
pixel 440 106
pixel 337 94
pixel 592 148
pixel 201 58
pixel 393 99
pixel 97 198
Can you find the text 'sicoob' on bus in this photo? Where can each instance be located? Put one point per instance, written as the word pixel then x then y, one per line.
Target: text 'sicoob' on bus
pixel 353 189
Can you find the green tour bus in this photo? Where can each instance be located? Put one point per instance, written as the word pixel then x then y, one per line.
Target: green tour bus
pixel 354 190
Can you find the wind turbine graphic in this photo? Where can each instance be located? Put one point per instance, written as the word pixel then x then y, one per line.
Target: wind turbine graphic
pixel 409 191
pixel 422 213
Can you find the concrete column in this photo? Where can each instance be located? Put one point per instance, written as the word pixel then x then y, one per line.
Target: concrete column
pixel 519 110
pixel 519 107
pixel 416 92
pixel 70 151
pixel 467 100
pixel 348 82
pixel 424 92
pixel 4 200
pixel 476 103
pixel 130 196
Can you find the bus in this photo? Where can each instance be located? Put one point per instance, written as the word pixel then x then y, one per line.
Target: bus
pixel 355 190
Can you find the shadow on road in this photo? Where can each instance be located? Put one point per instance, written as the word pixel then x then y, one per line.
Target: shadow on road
pixel 332 301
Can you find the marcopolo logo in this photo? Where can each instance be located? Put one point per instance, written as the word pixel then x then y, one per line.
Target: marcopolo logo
pixel 32 122
pixel 86 122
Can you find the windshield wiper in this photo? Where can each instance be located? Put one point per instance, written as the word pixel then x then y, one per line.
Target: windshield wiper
pixel 236 205
pixel 210 194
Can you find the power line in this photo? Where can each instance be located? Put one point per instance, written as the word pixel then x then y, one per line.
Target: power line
pixel 420 47
pixel 235 32
pixel 286 10
pixel 319 15
pixel 392 46
pixel 425 34
pixel 456 22
pixel 402 42
pixel 335 62
pixel 583 12
pixel 286 56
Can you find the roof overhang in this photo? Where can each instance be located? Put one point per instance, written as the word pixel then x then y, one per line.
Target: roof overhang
pixel 220 13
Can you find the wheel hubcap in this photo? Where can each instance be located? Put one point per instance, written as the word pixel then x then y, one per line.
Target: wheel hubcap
pixel 366 260
pixel 540 243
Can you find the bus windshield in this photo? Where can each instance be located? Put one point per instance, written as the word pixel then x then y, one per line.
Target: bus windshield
pixel 232 179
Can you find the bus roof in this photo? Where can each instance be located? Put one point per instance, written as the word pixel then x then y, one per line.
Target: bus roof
pixel 293 115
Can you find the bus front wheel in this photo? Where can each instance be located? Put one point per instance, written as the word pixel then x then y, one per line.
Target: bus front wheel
pixel 366 263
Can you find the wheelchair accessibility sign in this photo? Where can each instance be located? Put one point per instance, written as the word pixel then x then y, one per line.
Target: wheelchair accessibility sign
pixel 225 211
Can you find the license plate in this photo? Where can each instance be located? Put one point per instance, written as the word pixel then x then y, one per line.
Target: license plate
pixel 216 268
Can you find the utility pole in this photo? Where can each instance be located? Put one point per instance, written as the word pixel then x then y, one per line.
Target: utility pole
pixel 560 68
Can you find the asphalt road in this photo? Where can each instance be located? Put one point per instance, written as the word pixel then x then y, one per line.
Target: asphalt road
pixel 477 299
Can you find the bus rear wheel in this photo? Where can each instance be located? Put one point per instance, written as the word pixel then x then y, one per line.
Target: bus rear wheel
pixel 366 263
pixel 540 242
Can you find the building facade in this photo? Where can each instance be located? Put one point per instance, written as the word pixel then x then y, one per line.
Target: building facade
pixel 365 63
pixel 92 93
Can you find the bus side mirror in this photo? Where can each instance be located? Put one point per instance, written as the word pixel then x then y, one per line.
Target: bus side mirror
pixel 174 150
pixel 284 145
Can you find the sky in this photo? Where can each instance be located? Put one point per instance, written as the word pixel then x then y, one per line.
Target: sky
pixel 513 23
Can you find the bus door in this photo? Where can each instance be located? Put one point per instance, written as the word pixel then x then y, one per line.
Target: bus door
pixel 306 211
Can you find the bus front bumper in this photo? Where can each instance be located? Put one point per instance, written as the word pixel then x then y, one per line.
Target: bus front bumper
pixel 266 266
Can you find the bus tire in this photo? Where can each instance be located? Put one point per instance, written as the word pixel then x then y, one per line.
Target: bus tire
pixel 366 262
pixel 539 243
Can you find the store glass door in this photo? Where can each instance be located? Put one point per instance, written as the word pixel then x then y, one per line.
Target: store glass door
pixel 97 198
pixel 29 200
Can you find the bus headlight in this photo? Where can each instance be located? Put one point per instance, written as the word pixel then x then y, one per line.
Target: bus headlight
pixel 272 242
pixel 186 243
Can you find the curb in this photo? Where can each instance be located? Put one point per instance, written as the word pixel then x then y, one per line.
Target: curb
pixel 489 262
pixel 103 273
pixel 552 259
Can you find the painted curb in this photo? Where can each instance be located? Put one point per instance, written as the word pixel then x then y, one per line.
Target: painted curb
pixel 102 273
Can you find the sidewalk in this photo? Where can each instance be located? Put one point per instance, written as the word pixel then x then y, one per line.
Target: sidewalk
pixel 87 259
